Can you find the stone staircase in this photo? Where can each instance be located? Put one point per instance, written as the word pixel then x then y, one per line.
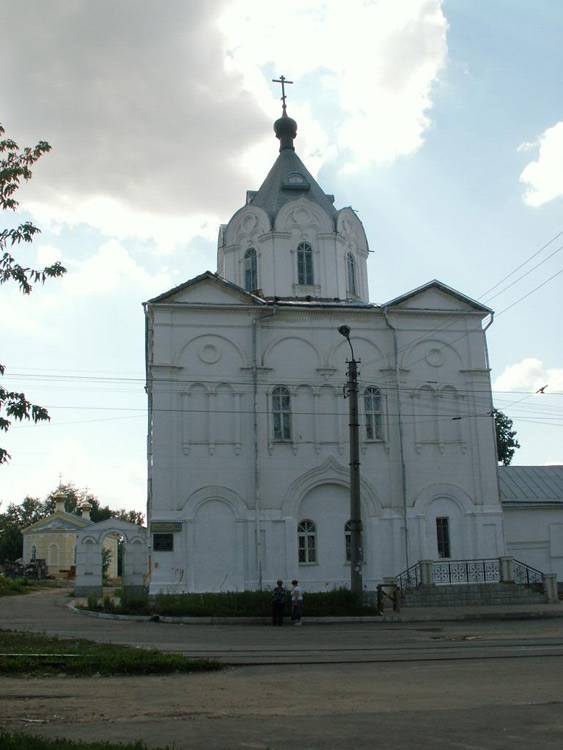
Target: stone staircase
pixel 472 594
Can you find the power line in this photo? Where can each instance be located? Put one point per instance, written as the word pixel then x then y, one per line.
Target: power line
pixel 521 265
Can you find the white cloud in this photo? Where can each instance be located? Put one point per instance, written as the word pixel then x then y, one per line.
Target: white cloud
pixel 164 110
pixel 115 481
pixel 544 177
pixel 117 219
pixel 110 269
pixel 529 375
pixel 380 60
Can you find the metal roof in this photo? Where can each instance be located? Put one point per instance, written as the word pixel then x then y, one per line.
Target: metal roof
pixel 277 189
pixel 531 485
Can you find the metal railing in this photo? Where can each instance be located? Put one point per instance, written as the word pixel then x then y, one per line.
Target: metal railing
pixel 410 578
pixel 460 572
pixel 453 572
pixel 525 575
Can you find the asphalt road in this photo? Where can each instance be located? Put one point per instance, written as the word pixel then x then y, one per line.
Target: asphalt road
pixel 47 611
pixel 459 685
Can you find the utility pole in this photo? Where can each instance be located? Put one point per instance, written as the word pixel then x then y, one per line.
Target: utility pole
pixel 351 392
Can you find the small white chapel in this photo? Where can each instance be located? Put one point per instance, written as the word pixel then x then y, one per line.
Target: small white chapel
pixel 248 421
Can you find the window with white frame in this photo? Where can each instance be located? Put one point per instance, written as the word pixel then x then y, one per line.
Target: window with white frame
pixel 348 541
pixel 305 264
pixel 373 413
pixel 250 270
pixel 34 552
pixel 281 412
pixel 307 542
pixel 351 274
pixel 443 537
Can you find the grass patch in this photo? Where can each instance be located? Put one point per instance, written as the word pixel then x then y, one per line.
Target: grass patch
pixel 336 603
pixel 13 586
pixel 36 654
pixel 21 741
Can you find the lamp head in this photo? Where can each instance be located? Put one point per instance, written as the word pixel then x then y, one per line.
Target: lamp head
pixel 344 331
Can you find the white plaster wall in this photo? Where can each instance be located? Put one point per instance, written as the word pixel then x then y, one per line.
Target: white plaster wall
pixel 202 366
pixel 535 537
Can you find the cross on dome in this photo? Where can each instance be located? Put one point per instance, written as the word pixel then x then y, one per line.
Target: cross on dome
pixel 283 80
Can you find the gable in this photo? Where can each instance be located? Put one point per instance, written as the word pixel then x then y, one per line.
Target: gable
pixel 207 289
pixel 59 521
pixel 437 296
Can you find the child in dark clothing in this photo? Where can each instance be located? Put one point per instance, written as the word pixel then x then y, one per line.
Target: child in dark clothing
pixel 278 603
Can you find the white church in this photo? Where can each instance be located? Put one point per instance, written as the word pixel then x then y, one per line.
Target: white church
pixel 248 430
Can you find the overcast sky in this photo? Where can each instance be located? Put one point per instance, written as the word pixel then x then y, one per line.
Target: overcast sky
pixel 439 121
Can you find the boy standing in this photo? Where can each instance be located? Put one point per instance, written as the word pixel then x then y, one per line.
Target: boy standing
pixel 296 603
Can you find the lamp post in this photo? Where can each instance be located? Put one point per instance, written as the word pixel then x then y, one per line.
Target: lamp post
pixel 351 392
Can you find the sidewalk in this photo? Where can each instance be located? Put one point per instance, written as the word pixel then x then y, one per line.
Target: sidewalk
pixel 488 612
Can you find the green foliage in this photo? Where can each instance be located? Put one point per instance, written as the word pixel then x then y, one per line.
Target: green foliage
pixel 21 741
pixel 136 602
pixel 106 562
pixel 15 167
pixel 82 658
pixel 9 587
pixel 506 438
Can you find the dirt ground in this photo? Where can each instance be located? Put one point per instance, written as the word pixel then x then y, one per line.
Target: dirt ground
pixel 327 706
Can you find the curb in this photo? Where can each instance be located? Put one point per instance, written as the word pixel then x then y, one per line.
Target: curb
pixel 441 615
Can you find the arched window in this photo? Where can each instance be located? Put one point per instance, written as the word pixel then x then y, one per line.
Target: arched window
pixel 372 409
pixel 351 274
pixel 281 412
pixel 250 270
pixel 305 264
pixel 307 542
pixel 348 542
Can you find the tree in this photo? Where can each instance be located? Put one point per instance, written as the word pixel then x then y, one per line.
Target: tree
pixel 19 517
pixel 506 438
pixel 15 167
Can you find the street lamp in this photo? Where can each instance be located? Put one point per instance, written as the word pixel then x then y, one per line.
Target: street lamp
pixel 351 392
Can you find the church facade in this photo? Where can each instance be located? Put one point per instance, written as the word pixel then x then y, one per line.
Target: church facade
pixel 248 421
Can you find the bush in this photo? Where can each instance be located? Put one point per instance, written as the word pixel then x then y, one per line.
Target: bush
pixel 9 586
pixel 339 602
pixel 225 604
pixel 134 603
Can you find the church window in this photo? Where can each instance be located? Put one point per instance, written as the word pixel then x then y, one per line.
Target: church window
pixel 250 270
pixel 305 264
pixel 307 540
pixel 351 274
pixel 443 537
pixel 163 542
pixel 372 408
pixel 281 412
pixel 348 542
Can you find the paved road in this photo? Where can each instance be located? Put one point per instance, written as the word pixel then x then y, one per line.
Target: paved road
pixel 430 686
pixel 48 612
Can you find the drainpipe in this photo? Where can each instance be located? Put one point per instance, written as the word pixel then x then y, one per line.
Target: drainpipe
pixel 255 322
pixel 148 389
pixel 401 437
pixel 497 485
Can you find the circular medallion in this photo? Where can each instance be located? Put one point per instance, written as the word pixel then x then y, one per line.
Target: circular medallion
pixel 209 354
pixel 435 357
